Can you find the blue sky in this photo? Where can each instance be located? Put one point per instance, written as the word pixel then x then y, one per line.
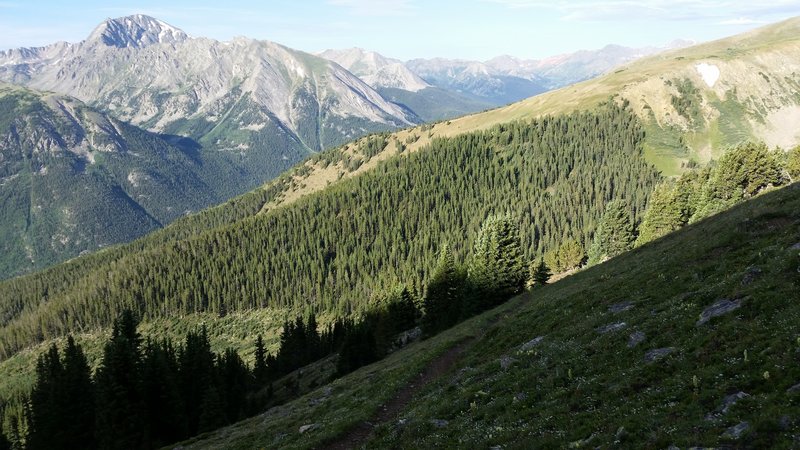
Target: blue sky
pixel 472 29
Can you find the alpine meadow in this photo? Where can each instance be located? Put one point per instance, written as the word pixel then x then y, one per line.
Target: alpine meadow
pixel 227 242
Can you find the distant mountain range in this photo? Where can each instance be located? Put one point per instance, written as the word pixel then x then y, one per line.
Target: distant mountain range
pixel 498 81
pixel 142 115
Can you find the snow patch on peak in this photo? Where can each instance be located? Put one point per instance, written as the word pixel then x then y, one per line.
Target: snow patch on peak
pixel 136 31
pixel 709 73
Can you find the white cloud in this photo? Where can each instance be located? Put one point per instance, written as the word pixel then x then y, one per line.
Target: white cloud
pixel 376 7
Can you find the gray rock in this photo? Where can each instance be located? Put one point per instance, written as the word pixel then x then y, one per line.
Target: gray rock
pixel 620 307
pixel 439 423
pixel 736 431
pixel 795 246
pixel 795 388
pixel 750 275
pixel 658 353
pixel 532 343
pixel 520 396
pixel 731 400
pixel 309 427
pixel 726 405
pixel 611 327
pixel 785 423
pixel 719 308
pixel 506 362
pixel 636 338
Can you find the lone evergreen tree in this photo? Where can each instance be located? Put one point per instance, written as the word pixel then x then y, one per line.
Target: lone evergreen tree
pixel 614 235
pixel 497 268
pixel 260 369
pixel 663 214
pixel 539 273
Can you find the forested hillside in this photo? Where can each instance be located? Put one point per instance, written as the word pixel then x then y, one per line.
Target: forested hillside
pixel 689 341
pixel 74 180
pixel 334 250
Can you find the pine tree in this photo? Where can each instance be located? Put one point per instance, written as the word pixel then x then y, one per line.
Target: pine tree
pixel 212 409
pixel 614 235
pixel 442 297
pixel 196 374
pixel 497 268
pixel 120 421
pixel 78 397
pixel 164 409
pixel 235 379
pixel 539 273
pixel 793 163
pixel 402 309
pixel 46 415
pixel 663 214
pixel 260 369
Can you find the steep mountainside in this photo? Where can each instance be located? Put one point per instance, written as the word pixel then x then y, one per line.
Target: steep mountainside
pixel 73 179
pixel 257 102
pixel 398 84
pixel 476 79
pixel 376 70
pixel 694 101
pixel 697 330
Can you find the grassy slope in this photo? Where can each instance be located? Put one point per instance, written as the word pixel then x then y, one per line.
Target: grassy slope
pixel 737 98
pixel 581 387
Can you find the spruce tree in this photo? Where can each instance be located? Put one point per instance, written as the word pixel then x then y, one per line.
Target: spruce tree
pixel 793 163
pixel 47 416
pixel 78 398
pixel 260 369
pixel 497 268
pixel 195 374
pixel 442 297
pixel 163 404
pixel 120 421
pixel 663 214
pixel 614 235
pixel 539 273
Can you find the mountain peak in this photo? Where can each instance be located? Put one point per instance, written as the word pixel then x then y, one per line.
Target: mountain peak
pixel 136 31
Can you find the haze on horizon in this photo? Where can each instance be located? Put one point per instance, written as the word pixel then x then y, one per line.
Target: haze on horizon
pixel 407 29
